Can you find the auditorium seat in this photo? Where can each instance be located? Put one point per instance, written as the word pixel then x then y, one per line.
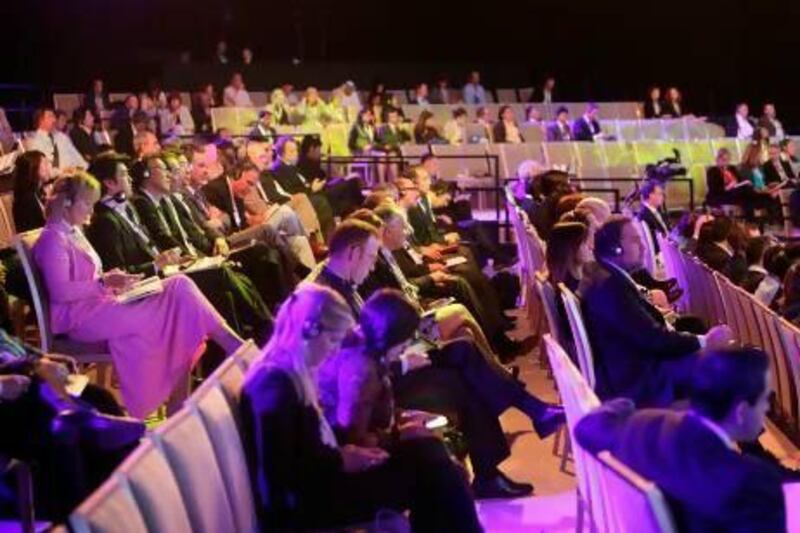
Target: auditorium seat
pixel 156 490
pixel 561 154
pixel 478 160
pixel 191 457
pixel 247 354
pixel 532 133
pixel 506 96
pixel 112 507
pixel 731 145
pixel 634 503
pixel 582 347
pixel 511 155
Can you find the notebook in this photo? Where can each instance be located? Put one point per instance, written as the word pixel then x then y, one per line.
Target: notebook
pixel 141 289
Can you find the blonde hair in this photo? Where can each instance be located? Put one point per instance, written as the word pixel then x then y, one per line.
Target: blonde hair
pixel 69 189
pixel 310 309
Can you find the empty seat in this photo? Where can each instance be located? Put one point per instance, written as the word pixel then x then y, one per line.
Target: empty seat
pixel 561 154
pixel 110 509
pixel 247 353
pixel 532 133
pixel 506 96
pixel 155 489
pixel 473 160
pixel 190 454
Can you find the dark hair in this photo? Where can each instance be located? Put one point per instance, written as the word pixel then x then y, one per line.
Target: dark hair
pixel 39 114
pixel 459 112
pixel 105 168
pixel 387 320
pixel 350 233
pixel 80 113
pixel 720 229
pixel 724 378
pixel 309 142
pixel 562 248
pixel 608 238
pixel 26 173
pixel 568 202
pixel 502 110
pixel 282 142
pixel 648 188
pixel 785 142
pixel 754 251
pixel 375 199
pixel 791 286
pixel 561 109
pixel 776 262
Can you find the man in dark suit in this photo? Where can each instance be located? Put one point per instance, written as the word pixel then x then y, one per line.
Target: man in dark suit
pixel 127 130
pixel 390 136
pixel 715 250
pixel 587 128
pixel 354 248
pixel 231 293
pixel 755 263
pixel 636 354
pixel 777 170
pixel 652 201
pixel 96 98
pixel 692 456
pixel 82 134
pixel 560 129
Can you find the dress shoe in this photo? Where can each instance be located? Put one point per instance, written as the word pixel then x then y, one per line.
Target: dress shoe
pixel 499 487
pixel 104 432
pixel 548 419
pixel 516 484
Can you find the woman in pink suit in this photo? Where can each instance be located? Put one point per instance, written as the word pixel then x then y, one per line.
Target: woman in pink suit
pixel 153 341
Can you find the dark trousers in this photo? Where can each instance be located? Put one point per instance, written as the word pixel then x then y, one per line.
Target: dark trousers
pixel 266 268
pixel 419 476
pixel 443 390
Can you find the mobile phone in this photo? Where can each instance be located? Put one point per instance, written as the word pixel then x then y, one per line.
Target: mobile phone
pixel 437 422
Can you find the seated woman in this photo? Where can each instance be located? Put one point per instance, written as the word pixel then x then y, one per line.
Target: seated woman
pixel 426 131
pixel 153 341
pixel 356 392
pixel 32 172
pixel 506 129
pixel 302 477
pixel 361 139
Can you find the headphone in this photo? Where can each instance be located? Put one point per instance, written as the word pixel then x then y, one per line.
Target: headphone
pixel 617 250
pixel 311 329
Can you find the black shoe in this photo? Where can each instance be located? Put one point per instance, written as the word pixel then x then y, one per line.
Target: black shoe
pixel 547 421
pixel 499 487
pixel 104 432
pixel 516 484
pixel 674 294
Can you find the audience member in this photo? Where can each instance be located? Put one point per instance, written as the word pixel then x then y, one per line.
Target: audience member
pixel 560 129
pixel 473 92
pixel 653 106
pixel 301 476
pixel 506 129
pixel 742 126
pixel 777 172
pixel 441 92
pixel 263 130
pixel 652 211
pixel 247 57
pixel 636 353
pixel 390 135
pixel 55 145
pixel 137 125
pixel 82 134
pixel 754 253
pixel 711 485
pixel 716 251
pixel 455 129
pixel 235 94
pixel 587 128
pixel 175 119
pixel 770 122
pixel 533 117
pixel 96 98
pixel 221 52
pixel 32 177
pixel 770 291
pixel 673 104
pixel 426 130
pixel 169 325
pixel 312 110
pixel 420 96
pixel 548 91
pixel 350 97
pixel 361 140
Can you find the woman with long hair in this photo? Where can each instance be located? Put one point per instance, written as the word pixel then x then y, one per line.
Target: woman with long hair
pixel 32 174
pixel 568 251
pixel 361 140
pixel 426 131
pixel 506 129
pixel 153 340
pixel 302 477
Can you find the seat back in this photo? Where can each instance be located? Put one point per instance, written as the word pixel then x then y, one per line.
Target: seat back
pixel 111 508
pixel 635 504
pixel 155 489
pixel 220 424
pixel 24 243
pixel 582 347
pixel 7 227
pixel 190 454
pixel 247 354
pixel 547 295
pixel 578 399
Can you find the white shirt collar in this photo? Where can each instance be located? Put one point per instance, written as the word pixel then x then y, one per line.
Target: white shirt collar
pixel 757 268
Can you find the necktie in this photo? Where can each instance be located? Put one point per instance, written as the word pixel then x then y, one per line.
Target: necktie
pixel 175 224
pixel 55 149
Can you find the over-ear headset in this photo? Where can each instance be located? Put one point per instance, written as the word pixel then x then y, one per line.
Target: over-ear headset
pixel 311 329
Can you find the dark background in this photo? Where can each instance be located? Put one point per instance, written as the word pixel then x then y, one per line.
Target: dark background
pixel 718 53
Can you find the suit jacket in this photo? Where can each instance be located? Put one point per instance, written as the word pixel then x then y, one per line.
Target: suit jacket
pixel 390 140
pixel 289 178
pixel 582 132
pixel 555 133
pixel 84 143
pixel 425 229
pixel 192 225
pixel 629 338
pixel 117 244
pixel 771 174
pixel 123 142
pixel 155 220
pixel 650 109
pixel 668 110
pixel 28 212
pixel 770 125
pixel 655 225
pixel 499 132
pixel 715 184
pixel 218 193
pixel 709 487
pixel 734 267
pixel 89 101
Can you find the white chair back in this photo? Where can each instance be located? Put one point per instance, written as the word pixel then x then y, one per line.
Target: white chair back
pixel 649 248
pixel 24 243
pixel 582 347
pixel 110 509
pixel 547 295
pixel 247 354
pixel 190 454
pixel 636 504
pixel 155 489
pixel 220 423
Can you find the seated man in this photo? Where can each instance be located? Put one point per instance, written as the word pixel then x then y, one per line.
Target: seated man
pixel 354 248
pixel 692 456
pixel 284 171
pixel 55 145
pixel 637 354
pixel 652 201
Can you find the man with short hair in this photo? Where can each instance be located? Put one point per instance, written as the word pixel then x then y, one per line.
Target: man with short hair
pixel 587 128
pixel 636 353
pixel 145 144
pixel 390 135
pixel 560 130
pixel 354 248
pixel 55 145
pixel 777 171
pixel 235 94
pixel 473 92
pixel 742 126
pixel 692 456
pixel 770 122
pixel 421 95
pixel 652 203
pixel 175 120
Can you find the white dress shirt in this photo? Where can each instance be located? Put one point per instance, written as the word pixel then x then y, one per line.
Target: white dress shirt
pixel 744 130
pixel 236 97
pixel 68 155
